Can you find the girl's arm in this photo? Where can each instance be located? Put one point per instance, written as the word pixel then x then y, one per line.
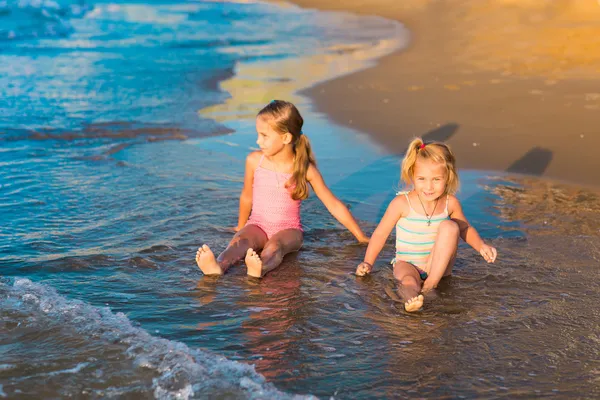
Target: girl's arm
pixel 333 204
pixel 246 195
pixel 468 233
pixel 393 213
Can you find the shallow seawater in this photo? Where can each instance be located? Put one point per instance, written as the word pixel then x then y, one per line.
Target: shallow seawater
pixel 114 275
pixel 100 296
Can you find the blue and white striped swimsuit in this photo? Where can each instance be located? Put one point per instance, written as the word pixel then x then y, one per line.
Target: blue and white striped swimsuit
pixel 415 239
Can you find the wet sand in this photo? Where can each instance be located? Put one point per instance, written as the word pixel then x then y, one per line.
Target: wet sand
pixel 511 85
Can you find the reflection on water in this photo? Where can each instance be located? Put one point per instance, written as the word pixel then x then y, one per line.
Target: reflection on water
pixel 526 325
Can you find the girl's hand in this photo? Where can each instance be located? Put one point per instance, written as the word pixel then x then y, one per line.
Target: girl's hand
pixel 236 229
pixel 363 239
pixel 364 268
pixel 489 253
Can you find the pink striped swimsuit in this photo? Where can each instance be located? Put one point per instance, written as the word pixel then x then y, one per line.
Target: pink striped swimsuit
pixel 273 208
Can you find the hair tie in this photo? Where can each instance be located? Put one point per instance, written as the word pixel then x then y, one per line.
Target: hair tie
pixel 272 101
pixel 422 146
pixel 302 133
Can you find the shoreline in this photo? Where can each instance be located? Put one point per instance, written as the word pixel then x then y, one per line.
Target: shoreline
pixel 255 83
pixel 535 115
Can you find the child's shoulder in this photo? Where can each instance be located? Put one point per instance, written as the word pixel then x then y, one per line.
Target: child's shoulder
pixel 312 171
pixel 254 158
pixel 452 199
pixel 400 202
pixel 453 203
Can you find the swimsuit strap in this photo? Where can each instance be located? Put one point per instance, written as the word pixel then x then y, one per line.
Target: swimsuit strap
pixel 407 199
pixel 447 197
pixel 261 160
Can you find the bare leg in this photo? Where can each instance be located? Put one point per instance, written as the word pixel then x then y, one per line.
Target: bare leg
pixel 409 285
pixel 280 244
pixel 443 254
pixel 249 236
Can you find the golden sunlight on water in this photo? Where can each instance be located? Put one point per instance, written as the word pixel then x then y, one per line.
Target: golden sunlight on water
pixel 255 84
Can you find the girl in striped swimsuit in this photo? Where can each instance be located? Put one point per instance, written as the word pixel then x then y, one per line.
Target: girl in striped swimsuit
pixel 429 221
pixel 275 183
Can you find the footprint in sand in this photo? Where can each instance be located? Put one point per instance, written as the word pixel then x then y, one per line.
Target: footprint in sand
pixel 495 81
pixel 469 83
pixel 380 87
pixel 592 96
pixel 452 87
pixel 536 92
pixel 414 88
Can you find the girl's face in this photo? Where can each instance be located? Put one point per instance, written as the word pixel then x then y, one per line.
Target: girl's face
pixel 269 140
pixel 430 179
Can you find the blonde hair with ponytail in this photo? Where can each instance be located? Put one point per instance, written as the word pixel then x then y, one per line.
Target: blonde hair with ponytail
pixel 435 151
pixel 284 118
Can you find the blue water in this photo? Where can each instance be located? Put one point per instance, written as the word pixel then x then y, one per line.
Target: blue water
pixel 122 148
pixel 69 66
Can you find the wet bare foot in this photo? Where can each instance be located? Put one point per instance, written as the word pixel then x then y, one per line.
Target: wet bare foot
pixel 254 264
pixel 206 261
pixel 414 304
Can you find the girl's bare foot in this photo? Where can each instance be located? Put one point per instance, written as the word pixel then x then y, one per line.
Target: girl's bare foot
pixel 414 304
pixel 206 261
pixel 254 264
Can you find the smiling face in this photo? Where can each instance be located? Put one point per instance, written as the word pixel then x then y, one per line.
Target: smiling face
pixel 269 140
pixel 429 179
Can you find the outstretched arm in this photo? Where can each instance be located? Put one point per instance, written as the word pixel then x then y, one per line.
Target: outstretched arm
pixel 333 204
pixel 393 213
pixel 246 195
pixel 468 233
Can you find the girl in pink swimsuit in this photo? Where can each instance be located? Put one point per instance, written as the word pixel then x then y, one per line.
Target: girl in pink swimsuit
pixel 275 183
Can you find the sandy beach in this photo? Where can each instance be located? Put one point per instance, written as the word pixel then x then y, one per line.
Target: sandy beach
pixel 511 85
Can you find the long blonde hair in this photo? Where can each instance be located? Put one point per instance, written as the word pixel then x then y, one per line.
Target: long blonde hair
pixel 284 118
pixel 435 151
